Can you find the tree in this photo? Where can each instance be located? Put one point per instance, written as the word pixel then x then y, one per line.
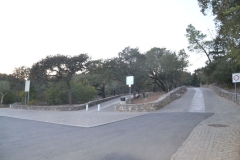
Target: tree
pixel 101 72
pixel 165 67
pixel 227 15
pixel 197 42
pixel 195 81
pixel 59 68
pixel 172 69
pixel 182 57
pixel 21 73
pixel 83 93
pixel 134 64
pixel 154 68
pixel 98 75
pixel 4 87
pixel 16 85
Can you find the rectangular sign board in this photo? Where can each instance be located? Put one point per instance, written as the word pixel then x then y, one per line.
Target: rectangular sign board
pixel 236 77
pixel 129 80
pixel 27 86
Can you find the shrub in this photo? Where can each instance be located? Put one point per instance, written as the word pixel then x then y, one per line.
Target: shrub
pixel 82 94
pixel 57 93
pixel 9 98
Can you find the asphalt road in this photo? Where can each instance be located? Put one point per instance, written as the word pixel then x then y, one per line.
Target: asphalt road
pixel 151 136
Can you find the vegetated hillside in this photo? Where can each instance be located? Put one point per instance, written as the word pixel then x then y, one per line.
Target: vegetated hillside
pixel 230 88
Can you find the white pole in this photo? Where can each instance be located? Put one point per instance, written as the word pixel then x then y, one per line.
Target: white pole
pixel 235 92
pixel 98 107
pixel 87 107
pixel 129 89
pixel 28 98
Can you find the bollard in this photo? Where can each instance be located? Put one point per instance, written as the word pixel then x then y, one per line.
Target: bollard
pixel 98 107
pixel 87 107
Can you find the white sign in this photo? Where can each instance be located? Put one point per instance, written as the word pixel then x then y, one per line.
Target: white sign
pixel 129 80
pixel 27 86
pixel 236 77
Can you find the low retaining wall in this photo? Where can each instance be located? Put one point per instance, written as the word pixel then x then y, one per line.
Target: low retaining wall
pixel 153 106
pixel 63 107
pixel 226 94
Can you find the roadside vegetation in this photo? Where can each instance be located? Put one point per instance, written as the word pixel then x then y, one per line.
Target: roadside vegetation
pixel 223 48
pixel 64 79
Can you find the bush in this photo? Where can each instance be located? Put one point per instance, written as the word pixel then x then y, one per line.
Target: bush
pixel 9 98
pixel 82 94
pixel 57 93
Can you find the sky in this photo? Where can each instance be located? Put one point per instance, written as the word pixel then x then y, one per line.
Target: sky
pixel 30 30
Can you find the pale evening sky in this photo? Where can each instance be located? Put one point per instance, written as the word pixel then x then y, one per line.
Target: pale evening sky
pixel 32 29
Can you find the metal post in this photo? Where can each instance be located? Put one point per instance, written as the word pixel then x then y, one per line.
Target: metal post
pixel 25 99
pixel 28 98
pixel 98 107
pixel 129 89
pixel 87 107
pixel 235 92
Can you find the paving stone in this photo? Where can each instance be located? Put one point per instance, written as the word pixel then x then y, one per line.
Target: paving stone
pixel 213 143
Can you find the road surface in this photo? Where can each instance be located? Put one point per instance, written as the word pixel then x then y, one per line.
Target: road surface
pixel 156 135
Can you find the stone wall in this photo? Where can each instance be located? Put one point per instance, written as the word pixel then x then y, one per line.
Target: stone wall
pixel 62 107
pixel 153 106
pixel 226 94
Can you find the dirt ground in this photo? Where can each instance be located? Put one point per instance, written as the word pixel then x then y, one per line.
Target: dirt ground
pixel 151 97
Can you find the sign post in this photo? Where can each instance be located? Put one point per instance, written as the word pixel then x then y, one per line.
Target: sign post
pixel 235 79
pixel 27 88
pixel 129 82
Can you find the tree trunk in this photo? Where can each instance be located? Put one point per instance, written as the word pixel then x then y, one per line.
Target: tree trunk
pixel 2 97
pixel 69 93
pixel 103 90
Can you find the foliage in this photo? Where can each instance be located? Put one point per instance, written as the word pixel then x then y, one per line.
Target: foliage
pixel 9 98
pixel 21 73
pixel 227 15
pixel 99 74
pixel 134 64
pixel 59 68
pixel 165 68
pixel 220 71
pixel 186 79
pixel 63 79
pixel 197 42
pixel 16 84
pixel 4 88
pixel 57 93
pixel 224 49
pixel 82 94
pixel 195 81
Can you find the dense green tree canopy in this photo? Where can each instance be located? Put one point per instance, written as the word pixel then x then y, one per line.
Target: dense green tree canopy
pixel 227 20
pixel 165 68
pixel 21 73
pixel 58 79
pixel 59 68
